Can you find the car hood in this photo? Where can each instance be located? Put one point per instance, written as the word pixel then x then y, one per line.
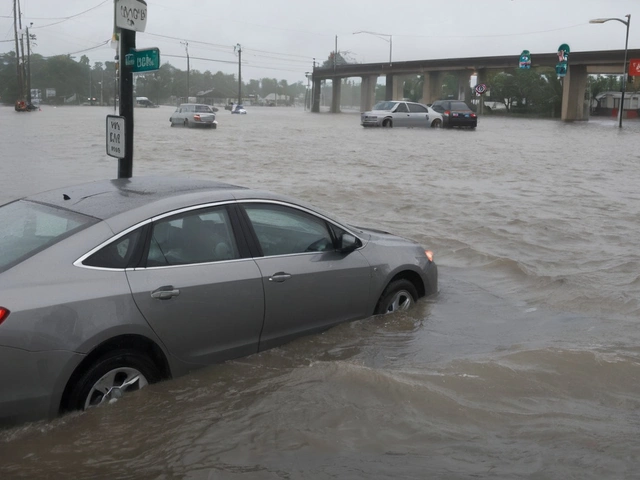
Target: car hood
pixel 381 237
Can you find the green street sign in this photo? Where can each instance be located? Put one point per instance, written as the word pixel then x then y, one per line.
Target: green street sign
pixel 143 60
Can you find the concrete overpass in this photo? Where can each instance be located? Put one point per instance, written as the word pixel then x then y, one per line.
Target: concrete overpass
pixel 580 65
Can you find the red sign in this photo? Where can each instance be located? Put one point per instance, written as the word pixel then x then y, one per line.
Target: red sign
pixel 634 67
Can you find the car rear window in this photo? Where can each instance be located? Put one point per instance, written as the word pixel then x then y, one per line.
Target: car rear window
pixel 459 106
pixel 28 228
pixel 203 109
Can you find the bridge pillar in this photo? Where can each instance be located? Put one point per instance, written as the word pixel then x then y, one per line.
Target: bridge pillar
pixel 463 84
pixel 431 87
pixel 394 89
pixel 336 84
pixel 368 92
pixel 315 106
pixel 573 89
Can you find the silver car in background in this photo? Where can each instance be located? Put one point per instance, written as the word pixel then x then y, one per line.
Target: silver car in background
pixel 392 113
pixel 194 115
pixel 108 286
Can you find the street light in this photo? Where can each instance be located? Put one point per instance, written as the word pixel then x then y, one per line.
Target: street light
pixel 381 35
pixel 624 65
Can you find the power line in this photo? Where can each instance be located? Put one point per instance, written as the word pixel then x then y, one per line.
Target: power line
pixel 64 19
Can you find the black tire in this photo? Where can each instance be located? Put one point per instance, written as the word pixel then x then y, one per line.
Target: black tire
pixel 387 123
pixel 399 295
pixel 437 123
pixel 123 365
pixel 186 123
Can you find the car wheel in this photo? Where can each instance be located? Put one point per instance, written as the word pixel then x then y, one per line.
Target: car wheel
pixel 387 123
pixel 213 125
pixel 186 123
pixel 399 295
pixel 111 376
pixel 437 123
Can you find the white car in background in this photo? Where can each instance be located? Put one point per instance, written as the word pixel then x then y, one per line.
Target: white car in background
pixel 194 115
pixel 398 113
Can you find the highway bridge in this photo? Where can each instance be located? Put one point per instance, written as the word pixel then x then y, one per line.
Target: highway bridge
pixel 574 106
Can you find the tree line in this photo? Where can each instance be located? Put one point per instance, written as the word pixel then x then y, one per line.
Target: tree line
pixel 82 82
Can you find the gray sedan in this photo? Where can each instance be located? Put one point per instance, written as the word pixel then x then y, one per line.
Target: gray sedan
pixel 109 286
pixel 401 114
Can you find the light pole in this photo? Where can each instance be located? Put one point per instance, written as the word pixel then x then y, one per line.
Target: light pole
pixel 381 35
pixel 624 65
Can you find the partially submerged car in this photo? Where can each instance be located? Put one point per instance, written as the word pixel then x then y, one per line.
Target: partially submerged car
pixel 239 109
pixel 456 113
pixel 392 113
pixel 194 115
pixel 108 286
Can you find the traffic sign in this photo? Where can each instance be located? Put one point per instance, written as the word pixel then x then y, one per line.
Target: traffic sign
pixel 634 67
pixel 481 88
pixel 115 136
pixel 143 60
pixel 131 14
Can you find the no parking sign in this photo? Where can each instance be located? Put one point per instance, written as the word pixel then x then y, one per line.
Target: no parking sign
pixel 481 88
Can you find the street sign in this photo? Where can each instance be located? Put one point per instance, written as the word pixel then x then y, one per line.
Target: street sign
pixel 143 60
pixel 131 14
pixel 634 67
pixel 115 136
pixel 481 88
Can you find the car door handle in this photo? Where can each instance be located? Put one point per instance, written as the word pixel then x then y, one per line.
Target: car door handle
pixel 165 293
pixel 279 277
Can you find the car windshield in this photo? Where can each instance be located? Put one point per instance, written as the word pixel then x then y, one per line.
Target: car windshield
pixel 28 228
pixel 459 106
pixel 203 109
pixel 384 106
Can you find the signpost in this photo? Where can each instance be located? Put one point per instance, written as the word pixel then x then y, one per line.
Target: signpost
pixel 129 17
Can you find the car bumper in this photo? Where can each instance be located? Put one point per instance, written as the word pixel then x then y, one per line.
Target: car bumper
pixel 32 383
pixel 461 122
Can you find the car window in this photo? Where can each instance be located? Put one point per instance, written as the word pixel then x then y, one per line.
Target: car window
pixel 28 228
pixel 284 230
pixel 203 109
pixel 384 106
pixel 439 107
pixel 402 107
pixel 117 254
pixel 414 107
pixel 193 237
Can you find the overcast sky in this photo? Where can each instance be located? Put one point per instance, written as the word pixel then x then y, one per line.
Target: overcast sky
pixel 280 38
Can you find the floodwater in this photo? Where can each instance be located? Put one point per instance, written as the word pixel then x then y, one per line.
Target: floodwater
pixel 525 365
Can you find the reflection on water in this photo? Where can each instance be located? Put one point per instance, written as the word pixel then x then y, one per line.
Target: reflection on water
pixel 521 367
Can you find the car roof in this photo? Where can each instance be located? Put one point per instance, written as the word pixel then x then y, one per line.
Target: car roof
pixel 105 199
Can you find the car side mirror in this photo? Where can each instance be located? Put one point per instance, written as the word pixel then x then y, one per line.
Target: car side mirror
pixel 348 243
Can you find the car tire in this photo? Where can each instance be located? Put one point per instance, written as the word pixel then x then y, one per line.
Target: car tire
pixel 118 371
pixel 437 123
pixel 399 295
pixel 214 126
pixel 387 123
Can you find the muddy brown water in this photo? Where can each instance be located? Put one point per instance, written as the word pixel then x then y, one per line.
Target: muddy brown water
pixel 526 364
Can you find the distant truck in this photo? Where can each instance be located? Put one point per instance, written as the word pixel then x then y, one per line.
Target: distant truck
pixel 144 102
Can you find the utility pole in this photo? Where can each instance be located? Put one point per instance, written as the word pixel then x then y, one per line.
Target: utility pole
pixel 186 48
pixel 238 48
pixel 18 70
pixel 28 67
pixel 23 72
pixel 335 55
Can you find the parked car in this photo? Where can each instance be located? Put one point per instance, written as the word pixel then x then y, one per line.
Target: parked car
pixel 456 113
pixel 239 109
pixel 144 102
pixel 400 114
pixel 193 115
pixel 108 286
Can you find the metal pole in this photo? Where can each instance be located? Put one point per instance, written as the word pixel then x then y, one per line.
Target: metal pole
pixel 390 48
pixel 239 74
pixel 28 69
pixel 127 43
pixel 624 72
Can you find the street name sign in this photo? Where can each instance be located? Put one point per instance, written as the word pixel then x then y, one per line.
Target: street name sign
pixel 143 60
pixel 131 15
pixel 115 136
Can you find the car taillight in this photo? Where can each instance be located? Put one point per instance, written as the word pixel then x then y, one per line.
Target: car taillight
pixel 429 255
pixel 473 115
pixel 4 313
pixel 447 112
pixel 196 117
